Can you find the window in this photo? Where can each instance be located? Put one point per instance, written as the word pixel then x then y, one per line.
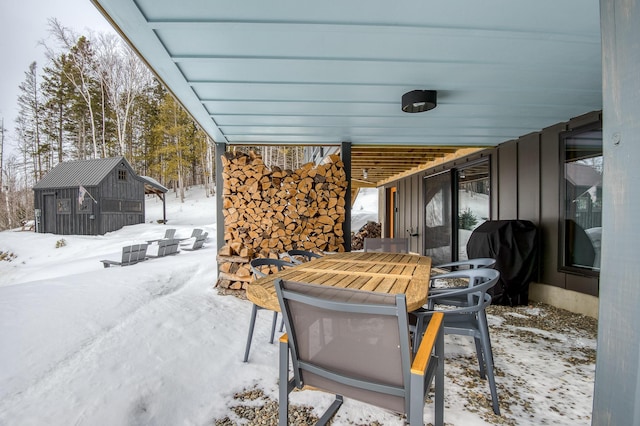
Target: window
pixel 63 206
pixel 581 200
pixel 122 175
pixel 473 203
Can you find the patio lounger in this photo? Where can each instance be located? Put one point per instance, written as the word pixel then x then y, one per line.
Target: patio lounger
pixel 197 243
pixel 166 248
pixel 169 234
pixel 130 256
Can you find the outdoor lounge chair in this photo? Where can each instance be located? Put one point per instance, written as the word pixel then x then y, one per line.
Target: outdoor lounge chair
pixel 257 266
pixel 198 242
pixel 464 314
pixel 130 256
pixel 166 248
pixel 356 344
pixel 387 245
pixel 169 234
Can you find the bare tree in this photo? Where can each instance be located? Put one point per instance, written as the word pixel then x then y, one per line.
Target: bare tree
pixel 124 77
pixel 81 71
pixel 29 120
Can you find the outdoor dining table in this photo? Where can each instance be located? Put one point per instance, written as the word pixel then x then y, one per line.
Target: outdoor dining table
pixel 391 273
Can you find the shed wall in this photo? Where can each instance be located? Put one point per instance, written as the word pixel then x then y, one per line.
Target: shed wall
pixel 119 203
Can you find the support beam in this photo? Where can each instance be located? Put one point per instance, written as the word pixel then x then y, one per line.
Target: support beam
pixel 220 150
pixel 617 384
pixel 345 151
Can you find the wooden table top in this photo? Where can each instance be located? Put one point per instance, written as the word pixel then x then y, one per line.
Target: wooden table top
pixel 392 273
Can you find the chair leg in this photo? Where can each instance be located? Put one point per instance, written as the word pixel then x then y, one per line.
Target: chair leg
pixel 273 326
pixel 439 381
pixel 252 323
pixel 488 358
pixel 283 385
pixel 481 358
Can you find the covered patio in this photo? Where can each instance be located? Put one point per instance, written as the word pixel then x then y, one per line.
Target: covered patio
pixel 292 73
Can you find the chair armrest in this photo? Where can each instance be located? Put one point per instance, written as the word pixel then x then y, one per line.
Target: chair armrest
pixel 421 360
pixel 108 263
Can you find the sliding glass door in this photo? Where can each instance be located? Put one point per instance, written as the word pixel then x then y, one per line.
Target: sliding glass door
pixel 473 202
pixel 456 203
pixel 437 217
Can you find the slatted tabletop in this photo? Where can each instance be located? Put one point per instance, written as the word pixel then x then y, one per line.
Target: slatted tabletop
pixel 392 273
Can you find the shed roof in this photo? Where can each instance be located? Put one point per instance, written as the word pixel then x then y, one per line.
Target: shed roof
pixel 152 186
pixel 84 172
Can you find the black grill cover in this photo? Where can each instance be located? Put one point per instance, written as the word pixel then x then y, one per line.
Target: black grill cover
pixel 513 243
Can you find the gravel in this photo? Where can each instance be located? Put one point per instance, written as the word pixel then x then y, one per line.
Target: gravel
pixel 536 324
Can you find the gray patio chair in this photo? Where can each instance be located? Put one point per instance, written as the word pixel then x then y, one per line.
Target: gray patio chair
pixel 304 254
pixel 356 344
pixel 387 245
pixel 479 262
pixel 258 267
pixel 464 314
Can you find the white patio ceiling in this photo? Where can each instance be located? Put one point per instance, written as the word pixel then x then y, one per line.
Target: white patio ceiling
pixel 296 72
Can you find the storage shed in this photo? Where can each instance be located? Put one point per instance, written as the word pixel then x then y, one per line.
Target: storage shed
pixel 91 197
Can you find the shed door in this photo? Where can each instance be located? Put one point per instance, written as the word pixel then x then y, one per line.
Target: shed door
pixel 49 214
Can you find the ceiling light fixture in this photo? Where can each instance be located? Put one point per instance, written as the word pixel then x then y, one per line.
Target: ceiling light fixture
pixel 419 100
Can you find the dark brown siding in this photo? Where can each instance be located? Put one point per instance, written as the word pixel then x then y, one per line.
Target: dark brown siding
pixel 525 185
pixel 508 181
pixel 529 178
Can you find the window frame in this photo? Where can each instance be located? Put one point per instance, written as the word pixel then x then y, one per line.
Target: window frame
pixel 563 253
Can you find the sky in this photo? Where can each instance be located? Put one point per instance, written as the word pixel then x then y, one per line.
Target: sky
pixel 23 24
pixel 155 344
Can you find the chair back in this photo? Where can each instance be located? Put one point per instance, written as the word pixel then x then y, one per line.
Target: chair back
pixel 387 245
pixel 304 254
pixel 169 233
pixel 349 342
pixel 259 266
pixel 470 299
pixel 479 262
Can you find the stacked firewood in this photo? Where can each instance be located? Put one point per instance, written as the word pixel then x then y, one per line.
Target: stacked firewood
pixel 369 230
pixel 269 211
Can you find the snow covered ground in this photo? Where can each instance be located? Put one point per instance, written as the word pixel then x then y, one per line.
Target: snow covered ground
pixel 155 344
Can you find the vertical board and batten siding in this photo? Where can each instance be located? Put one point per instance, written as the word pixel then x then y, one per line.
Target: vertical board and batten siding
pixel 550 181
pixel 98 220
pixel 410 219
pixel 130 190
pixel 525 184
pixel 507 161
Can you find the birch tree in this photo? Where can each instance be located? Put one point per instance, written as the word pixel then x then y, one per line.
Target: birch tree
pixel 81 71
pixel 125 77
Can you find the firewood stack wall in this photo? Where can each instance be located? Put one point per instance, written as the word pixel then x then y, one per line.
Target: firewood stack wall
pixel 269 211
